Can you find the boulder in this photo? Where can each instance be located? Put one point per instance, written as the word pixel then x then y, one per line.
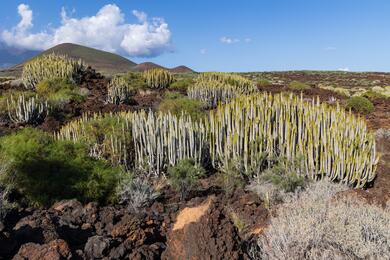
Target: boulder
pixel 55 250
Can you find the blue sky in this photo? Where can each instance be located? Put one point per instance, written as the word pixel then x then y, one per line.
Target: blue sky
pixel 229 35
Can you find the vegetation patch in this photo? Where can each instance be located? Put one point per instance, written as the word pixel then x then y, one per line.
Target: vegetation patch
pixel 51 66
pixel 185 175
pixel 214 88
pixel 158 78
pixel 360 105
pixel 297 85
pixel 45 171
pixel 177 104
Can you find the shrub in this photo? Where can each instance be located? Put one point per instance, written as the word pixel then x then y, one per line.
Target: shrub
pixel 231 177
pixel 50 67
pixel 177 104
pixel 182 85
pixel 46 171
pixel 316 225
pixel 285 174
pixel 263 83
pixel 136 192
pixel 360 104
pixel 373 95
pixel 185 175
pixel 297 85
pixel 59 91
pixel 158 78
pixel 28 110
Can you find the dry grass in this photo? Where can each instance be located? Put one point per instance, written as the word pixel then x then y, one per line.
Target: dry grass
pixel 314 225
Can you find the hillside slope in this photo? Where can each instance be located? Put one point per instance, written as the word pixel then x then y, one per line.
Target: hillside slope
pixel 102 61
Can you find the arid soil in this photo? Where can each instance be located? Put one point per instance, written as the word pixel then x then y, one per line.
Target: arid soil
pixel 208 224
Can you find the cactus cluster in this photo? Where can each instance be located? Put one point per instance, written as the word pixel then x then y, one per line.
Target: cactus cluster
pixel 252 130
pixel 118 91
pixel 26 110
pixel 158 78
pixel 108 136
pixel 161 140
pixel 152 141
pixel 257 128
pixel 49 67
pixel 217 87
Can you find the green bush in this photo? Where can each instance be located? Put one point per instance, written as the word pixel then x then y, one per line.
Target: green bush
pixel 59 91
pixel 263 83
pixel 182 85
pixel 286 174
pixel 185 175
pixel 135 80
pixel 45 171
pixel 231 177
pixel 360 104
pixel 372 95
pixel 177 104
pixel 297 85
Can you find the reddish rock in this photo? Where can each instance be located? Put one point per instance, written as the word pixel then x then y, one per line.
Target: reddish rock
pixel 212 236
pixel 56 249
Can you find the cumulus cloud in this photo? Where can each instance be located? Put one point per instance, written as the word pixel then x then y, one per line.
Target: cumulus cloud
pixel 228 40
pixel 346 69
pixel 106 30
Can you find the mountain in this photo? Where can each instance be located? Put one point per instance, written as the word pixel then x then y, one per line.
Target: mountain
pixel 105 62
pixel 10 56
pixel 102 61
pixel 182 69
pixel 150 65
pixel 146 66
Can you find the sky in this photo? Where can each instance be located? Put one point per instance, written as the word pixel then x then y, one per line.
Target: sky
pixel 212 35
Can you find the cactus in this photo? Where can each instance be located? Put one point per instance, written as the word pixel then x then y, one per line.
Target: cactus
pixel 28 110
pixel 139 139
pixel 118 91
pixel 158 78
pixel 161 140
pixel 108 136
pixel 215 87
pixel 51 66
pixel 334 143
pixel 251 130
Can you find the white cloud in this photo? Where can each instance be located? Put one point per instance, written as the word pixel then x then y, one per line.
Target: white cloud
pixel 247 40
pixel 343 69
pixel 203 51
pixel 228 40
pixel 106 30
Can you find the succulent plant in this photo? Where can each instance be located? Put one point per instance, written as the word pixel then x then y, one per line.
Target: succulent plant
pixel 158 78
pixel 29 110
pixel 251 130
pixel 216 87
pixel 334 143
pixel 118 91
pixel 51 66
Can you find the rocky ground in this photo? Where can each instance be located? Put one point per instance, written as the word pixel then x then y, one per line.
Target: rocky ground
pixel 207 225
